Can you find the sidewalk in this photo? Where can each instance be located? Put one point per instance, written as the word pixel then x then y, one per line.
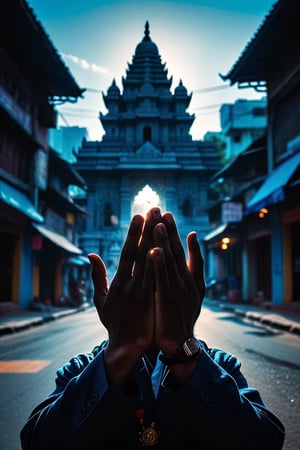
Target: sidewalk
pixel 21 320
pixel 282 320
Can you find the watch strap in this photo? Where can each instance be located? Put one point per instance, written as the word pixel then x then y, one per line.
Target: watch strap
pixel 188 351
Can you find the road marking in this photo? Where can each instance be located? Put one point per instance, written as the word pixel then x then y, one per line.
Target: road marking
pixel 24 365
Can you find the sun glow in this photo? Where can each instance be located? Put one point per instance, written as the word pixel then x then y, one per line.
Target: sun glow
pixel 146 199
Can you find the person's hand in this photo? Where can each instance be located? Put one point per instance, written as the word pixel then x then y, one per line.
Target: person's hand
pixel 126 309
pixel 179 286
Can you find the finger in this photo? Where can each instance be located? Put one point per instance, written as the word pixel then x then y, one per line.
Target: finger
pixel 99 277
pixel 195 262
pixel 175 241
pixel 161 240
pixel 148 285
pixel 160 271
pixel 153 217
pixel 129 250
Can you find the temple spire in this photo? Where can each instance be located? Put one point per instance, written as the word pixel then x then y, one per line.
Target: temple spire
pixel 147 31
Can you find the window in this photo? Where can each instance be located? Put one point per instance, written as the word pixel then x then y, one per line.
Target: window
pixel 147 134
pixel 187 210
pixel 108 213
pixel 259 111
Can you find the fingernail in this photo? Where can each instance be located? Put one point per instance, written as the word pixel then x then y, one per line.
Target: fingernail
pixel 91 260
pixel 156 251
pixel 155 212
pixel 137 220
pixel 169 218
pixel 161 229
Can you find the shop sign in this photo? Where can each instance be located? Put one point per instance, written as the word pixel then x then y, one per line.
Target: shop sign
pixel 232 212
pixel 41 169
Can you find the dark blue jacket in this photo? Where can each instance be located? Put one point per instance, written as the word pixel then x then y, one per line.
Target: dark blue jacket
pixel 215 410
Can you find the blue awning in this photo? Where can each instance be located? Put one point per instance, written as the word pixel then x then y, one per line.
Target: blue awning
pixel 18 200
pixel 58 239
pixel 272 190
pixel 215 232
pixel 79 260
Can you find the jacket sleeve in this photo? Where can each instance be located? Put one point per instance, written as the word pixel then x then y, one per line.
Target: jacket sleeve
pixel 81 401
pixel 219 410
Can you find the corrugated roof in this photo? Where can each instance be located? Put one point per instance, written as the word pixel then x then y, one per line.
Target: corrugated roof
pixel 23 37
pixel 275 43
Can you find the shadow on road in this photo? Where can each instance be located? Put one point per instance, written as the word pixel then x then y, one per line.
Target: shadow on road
pixel 257 329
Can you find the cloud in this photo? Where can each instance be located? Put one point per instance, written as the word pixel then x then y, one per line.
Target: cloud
pixel 84 64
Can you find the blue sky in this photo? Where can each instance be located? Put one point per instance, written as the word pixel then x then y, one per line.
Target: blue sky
pixel 197 39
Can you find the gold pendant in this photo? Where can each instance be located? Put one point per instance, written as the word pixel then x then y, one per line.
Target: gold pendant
pixel 149 436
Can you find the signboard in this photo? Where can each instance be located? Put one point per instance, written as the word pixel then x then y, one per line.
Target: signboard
pixel 232 212
pixel 41 169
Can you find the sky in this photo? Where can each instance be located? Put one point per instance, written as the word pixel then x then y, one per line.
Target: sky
pixel 197 39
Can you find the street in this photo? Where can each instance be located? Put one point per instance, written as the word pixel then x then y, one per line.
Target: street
pixel 29 359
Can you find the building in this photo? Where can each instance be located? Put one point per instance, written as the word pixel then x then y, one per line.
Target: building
pixel 242 123
pixel 67 140
pixel 269 227
pixel 32 79
pixel 58 259
pixel 225 249
pixel 146 157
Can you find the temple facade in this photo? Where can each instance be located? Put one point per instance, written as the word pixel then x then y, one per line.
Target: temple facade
pixel 146 157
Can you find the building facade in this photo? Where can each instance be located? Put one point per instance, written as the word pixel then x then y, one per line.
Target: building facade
pixel 146 157
pixel 32 79
pixel 268 231
pixel 242 122
pixel 67 140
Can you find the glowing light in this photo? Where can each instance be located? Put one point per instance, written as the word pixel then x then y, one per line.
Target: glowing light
pixel 262 212
pixel 226 240
pixel 114 220
pixel 225 243
pixel 146 199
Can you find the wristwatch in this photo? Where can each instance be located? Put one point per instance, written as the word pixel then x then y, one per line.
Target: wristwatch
pixel 188 351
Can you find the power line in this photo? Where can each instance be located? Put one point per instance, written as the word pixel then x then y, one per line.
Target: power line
pixel 87 112
pixel 210 89
pixel 216 105
pixel 63 118
pixel 196 91
pixel 97 91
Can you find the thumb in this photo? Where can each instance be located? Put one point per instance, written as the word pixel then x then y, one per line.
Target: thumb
pixel 195 263
pixel 99 277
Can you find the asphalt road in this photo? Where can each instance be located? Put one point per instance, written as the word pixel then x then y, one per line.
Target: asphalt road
pixel 29 359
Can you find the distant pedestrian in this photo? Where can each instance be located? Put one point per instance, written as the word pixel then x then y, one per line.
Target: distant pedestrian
pixel 152 383
pixel 74 290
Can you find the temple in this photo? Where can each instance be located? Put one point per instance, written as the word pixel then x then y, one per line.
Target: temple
pixel 146 157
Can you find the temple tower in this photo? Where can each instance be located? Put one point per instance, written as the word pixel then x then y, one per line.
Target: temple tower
pixel 146 157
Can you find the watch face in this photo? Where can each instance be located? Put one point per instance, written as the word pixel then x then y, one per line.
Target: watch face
pixel 191 346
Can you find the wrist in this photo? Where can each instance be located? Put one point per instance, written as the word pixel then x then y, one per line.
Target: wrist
pixel 120 363
pixel 188 351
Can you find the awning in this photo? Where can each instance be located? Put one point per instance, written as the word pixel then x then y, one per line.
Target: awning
pixel 18 200
pixel 78 260
pixel 215 232
pixel 58 239
pixel 272 190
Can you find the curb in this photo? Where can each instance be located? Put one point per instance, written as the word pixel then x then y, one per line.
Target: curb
pixel 15 326
pixel 272 320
